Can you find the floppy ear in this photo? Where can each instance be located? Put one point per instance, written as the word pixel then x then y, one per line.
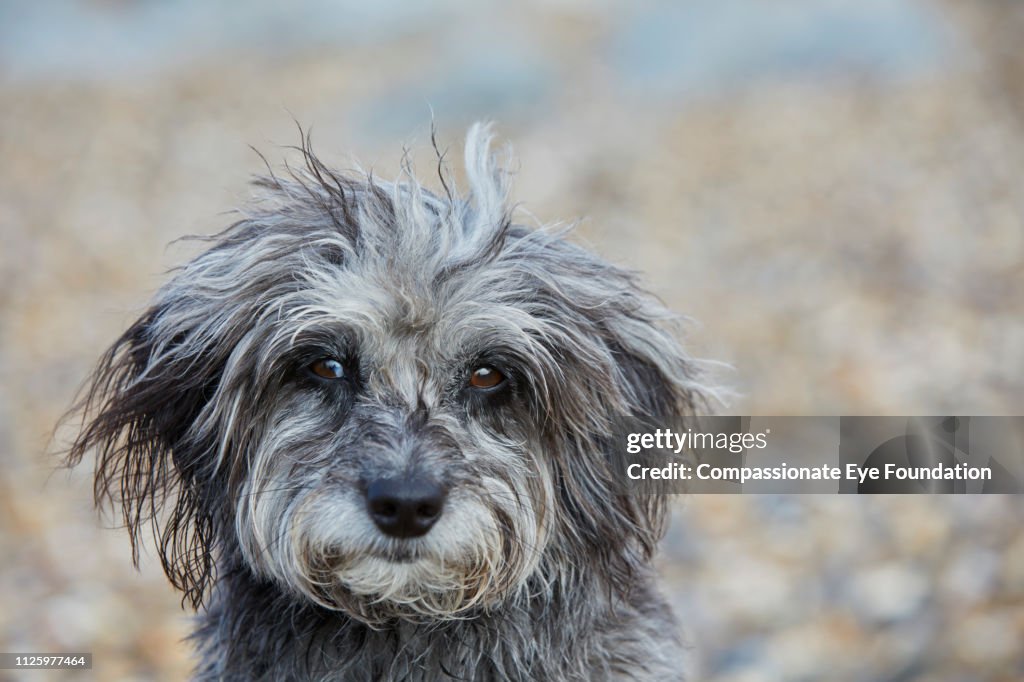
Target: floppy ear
pixel 613 357
pixel 136 412
pixel 647 376
pixel 154 410
pixel 149 410
pixel 659 383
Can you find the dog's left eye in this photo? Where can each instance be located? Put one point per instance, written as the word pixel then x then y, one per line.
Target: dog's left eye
pixel 485 377
pixel 328 368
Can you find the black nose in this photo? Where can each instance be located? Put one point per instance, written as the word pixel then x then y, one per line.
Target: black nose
pixel 404 507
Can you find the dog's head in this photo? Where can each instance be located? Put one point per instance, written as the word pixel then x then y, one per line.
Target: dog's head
pixel 389 402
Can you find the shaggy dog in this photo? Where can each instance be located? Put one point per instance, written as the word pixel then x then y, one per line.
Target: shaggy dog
pixel 372 430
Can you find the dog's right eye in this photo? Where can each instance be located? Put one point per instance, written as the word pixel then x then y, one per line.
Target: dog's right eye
pixel 328 368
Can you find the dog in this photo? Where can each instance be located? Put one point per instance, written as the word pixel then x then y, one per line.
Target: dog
pixel 371 429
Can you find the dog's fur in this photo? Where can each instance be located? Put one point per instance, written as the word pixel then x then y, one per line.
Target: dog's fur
pixel 252 471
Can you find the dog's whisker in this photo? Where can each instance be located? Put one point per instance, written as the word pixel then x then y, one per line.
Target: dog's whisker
pixel 267 491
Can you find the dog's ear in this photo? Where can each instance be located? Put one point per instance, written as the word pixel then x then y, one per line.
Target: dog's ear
pixel 616 358
pixel 660 386
pixel 158 410
pixel 136 413
pixel 647 379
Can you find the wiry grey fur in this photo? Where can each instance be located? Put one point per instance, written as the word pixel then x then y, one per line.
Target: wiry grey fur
pixel 209 426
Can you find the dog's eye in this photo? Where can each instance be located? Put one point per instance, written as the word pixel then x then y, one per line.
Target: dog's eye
pixel 485 377
pixel 328 368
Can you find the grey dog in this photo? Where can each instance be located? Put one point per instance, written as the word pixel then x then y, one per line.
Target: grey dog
pixel 371 428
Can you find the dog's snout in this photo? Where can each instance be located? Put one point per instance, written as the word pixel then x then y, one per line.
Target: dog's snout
pixel 405 507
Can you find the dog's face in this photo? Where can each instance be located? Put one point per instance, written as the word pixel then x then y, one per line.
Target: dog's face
pixel 387 402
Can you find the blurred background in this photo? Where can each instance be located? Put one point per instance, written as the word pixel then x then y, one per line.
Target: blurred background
pixel 832 189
